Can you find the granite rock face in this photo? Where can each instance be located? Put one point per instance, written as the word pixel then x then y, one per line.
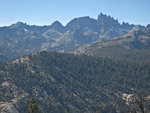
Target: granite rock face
pixel 21 39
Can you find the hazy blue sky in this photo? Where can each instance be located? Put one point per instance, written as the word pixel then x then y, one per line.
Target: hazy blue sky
pixel 45 12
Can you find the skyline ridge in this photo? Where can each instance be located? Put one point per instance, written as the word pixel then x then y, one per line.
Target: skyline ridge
pixel 108 16
pixel 45 12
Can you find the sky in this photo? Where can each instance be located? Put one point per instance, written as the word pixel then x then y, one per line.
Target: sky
pixel 45 12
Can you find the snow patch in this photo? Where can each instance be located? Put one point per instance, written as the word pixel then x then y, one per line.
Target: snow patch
pixel 25 30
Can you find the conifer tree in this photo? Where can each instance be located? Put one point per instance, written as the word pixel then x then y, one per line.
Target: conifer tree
pixel 32 105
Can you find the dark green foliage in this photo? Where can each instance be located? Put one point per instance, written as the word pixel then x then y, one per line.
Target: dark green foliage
pixel 109 109
pixel 32 105
pixel 97 111
pixel 121 53
pixel 66 83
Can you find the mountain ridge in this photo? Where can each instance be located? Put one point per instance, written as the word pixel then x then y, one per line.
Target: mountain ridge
pixel 21 39
pixel 135 44
pixel 66 83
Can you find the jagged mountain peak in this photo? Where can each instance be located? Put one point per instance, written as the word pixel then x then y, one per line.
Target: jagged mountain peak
pixel 57 26
pixel 104 21
pixel 103 16
pixel 82 22
pixel 80 19
pixel 138 27
pixel 18 24
pixel 80 31
pixel 126 24
pixel 56 23
pixel 148 26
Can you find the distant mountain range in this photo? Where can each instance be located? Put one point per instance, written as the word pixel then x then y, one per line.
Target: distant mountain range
pixel 93 64
pixel 21 39
pixel 135 45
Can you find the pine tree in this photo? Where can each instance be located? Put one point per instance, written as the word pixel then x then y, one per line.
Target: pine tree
pixel 97 111
pixel 32 105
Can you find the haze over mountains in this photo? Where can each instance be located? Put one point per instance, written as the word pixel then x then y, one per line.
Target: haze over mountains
pixel 87 65
pixel 20 39
pixel 135 45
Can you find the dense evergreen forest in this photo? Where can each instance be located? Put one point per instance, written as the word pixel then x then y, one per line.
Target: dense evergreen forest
pixel 67 83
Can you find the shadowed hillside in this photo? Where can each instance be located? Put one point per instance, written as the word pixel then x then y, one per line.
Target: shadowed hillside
pixel 65 83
